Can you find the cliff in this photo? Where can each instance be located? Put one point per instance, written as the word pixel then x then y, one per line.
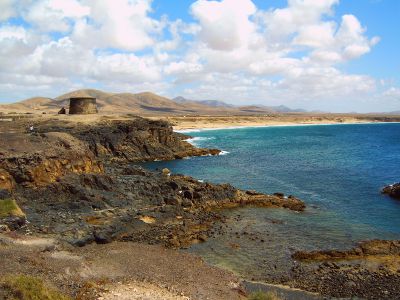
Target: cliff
pixel 76 182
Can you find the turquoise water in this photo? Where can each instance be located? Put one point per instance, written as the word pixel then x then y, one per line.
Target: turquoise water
pixel 338 170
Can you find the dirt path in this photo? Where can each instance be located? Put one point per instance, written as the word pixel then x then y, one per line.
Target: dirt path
pixel 120 270
pixel 140 291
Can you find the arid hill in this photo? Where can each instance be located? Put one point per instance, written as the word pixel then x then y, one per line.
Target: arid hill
pixel 142 103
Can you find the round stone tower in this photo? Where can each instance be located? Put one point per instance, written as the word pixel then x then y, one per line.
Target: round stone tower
pixel 82 106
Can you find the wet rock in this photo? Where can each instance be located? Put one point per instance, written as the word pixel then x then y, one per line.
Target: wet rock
pixel 280 195
pixel 392 190
pixel 365 248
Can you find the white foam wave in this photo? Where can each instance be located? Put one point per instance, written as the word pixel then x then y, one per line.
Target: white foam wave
pixel 281 125
pixel 224 152
pixel 195 140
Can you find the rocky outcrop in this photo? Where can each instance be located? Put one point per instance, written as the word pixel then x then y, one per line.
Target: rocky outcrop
pixel 39 159
pixel 370 270
pixel 392 190
pixel 363 249
pixel 131 203
pixel 138 140
pixel 72 182
pixel 6 180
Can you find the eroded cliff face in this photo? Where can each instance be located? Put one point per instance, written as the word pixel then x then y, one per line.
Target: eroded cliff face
pixel 76 182
pixel 53 151
pixel 138 140
pixel 34 160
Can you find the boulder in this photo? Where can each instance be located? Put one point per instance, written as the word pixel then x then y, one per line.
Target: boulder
pixel 62 111
pixel 166 171
pixel 392 190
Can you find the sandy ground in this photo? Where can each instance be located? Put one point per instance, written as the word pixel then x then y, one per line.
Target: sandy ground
pixel 120 270
pixel 209 122
pixel 139 291
pixel 204 122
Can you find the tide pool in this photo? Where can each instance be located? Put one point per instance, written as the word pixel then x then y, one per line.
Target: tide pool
pixel 338 170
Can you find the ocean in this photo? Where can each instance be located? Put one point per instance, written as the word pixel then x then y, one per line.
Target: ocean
pixel 338 170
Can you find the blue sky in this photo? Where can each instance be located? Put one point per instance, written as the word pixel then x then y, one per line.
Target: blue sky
pixel 329 55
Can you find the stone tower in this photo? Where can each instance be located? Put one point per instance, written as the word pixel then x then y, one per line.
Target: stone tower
pixel 82 106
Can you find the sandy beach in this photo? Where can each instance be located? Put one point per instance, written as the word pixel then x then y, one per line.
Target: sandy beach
pixel 213 122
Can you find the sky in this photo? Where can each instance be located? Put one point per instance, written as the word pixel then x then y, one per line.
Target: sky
pixel 330 55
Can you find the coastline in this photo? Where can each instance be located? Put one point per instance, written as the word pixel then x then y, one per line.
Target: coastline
pixel 194 128
pixel 192 123
pixel 99 231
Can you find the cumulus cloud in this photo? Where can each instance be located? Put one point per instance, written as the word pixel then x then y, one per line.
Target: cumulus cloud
pixel 55 15
pixel 230 50
pixel 225 25
pixel 120 24
pixel 7 9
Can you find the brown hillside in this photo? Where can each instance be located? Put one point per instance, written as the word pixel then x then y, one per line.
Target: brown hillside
pixel 120 103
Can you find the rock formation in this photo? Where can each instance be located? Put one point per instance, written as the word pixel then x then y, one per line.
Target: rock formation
pixel 363 249
pixel 392 190
pixel 62 111
pixel 74 182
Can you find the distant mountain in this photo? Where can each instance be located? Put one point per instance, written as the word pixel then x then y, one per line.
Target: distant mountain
pixel 142 104
pixel 284 109
pixel 213 103
pixel 254 108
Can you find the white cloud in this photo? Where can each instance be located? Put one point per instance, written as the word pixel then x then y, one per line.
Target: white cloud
pixel 392 92
pixel 231 50
pixel 12 33
pixel 120 24
pixel 127 68
pixel 7 9
pixel 224 25
pixel 55 15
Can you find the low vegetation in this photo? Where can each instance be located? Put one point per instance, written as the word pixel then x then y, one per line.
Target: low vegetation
pixel 264 296
pixel 22 287
pixel 9 207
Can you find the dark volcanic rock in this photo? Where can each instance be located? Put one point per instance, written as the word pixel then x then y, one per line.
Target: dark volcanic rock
pixel 392 190
pixel 370 270
pixel 75 183
pixel 365 248
pixel 138 140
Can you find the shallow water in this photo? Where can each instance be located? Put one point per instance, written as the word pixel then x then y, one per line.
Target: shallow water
pixel 338 170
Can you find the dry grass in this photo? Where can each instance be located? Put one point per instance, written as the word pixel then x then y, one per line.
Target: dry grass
pixel 22 287
pixel 9 207
pixel 264 296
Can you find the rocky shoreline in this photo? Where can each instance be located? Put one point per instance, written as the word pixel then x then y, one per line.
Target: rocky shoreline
pixel 80 185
